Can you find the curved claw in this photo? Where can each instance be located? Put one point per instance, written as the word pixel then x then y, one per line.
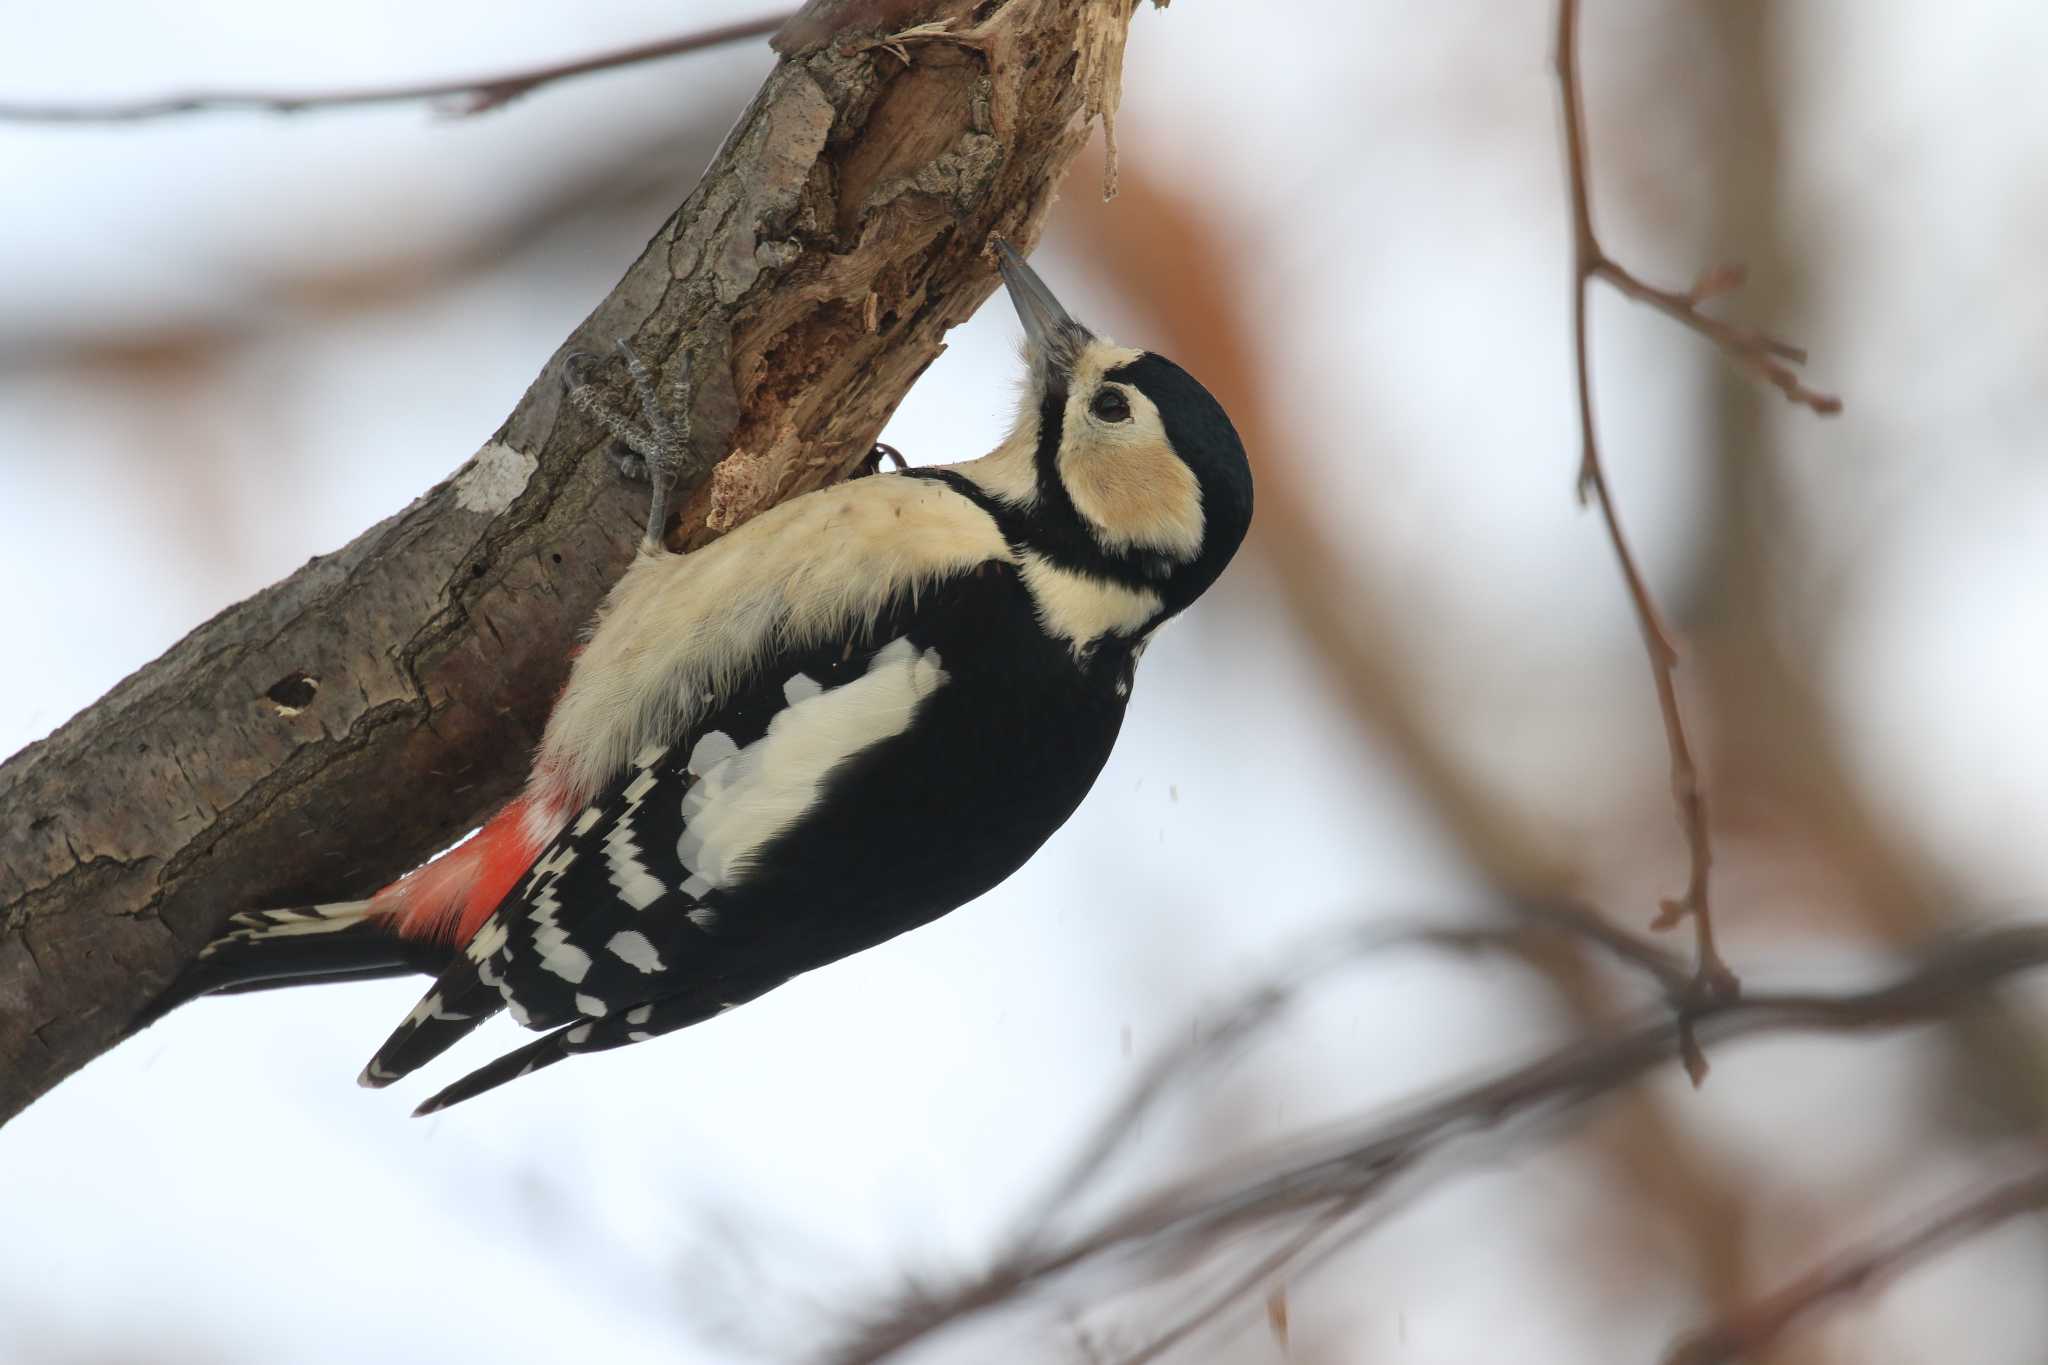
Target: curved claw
pixel 871 463
pixel 643 382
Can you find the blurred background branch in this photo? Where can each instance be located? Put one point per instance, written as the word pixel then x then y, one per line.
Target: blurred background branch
pixel 1300 1190
pixel 456 98
pixel 1755 350
pixel 1757 1327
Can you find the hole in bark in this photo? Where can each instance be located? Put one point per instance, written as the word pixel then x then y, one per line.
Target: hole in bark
pixel 556 557
pixel 293 692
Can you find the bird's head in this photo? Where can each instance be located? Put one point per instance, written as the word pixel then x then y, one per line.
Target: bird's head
pixel 1135 473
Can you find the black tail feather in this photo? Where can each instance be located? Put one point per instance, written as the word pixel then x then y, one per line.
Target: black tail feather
pixel 647 1020
pixel 378 972
pixel 267 949
pixel 460 1000
pixel 544 1051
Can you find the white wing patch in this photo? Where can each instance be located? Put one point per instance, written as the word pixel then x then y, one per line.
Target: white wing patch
pixel 747 797
pixel 635 949
pixel 711 751
pixel 551 940
pixel 637 886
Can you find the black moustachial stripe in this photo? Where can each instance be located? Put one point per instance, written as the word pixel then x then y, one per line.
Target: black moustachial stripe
pixel 1052 527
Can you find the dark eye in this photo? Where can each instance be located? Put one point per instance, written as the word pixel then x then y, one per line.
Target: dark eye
pixel 1110 405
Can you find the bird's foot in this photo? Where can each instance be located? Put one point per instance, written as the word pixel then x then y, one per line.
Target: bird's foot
pixel 654 452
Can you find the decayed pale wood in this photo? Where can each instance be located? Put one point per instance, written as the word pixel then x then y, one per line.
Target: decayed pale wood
pixel 323 736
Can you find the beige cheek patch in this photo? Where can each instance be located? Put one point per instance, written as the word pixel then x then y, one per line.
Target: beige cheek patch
pixel 1139 495
pixel 1126 480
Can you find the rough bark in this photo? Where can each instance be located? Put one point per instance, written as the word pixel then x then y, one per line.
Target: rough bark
pixel 337 728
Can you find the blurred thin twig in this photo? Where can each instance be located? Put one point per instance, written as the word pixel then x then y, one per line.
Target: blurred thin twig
pixel 1756 1327
pixel 1317 1229
pixel 465 97
pixel 1765 356
pixel 1174 1070
pixel 1362 1162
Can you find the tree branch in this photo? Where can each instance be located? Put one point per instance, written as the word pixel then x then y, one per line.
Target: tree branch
pixel 1748 1333
pixel 1180 1069
pixel 341 726
pixel 474 96
pixel 1291 1186
pixel 1766 356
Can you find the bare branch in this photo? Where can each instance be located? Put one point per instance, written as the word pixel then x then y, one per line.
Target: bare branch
pixel 422 658
pixel 1713 975
pixel 467 97
pixel 1316 1230
pixel 1179 1069
pixel 1164 1233
pixel 1766 356
pixel 1747 1333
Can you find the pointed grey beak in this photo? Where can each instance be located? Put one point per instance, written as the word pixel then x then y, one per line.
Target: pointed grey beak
pixel 1054 337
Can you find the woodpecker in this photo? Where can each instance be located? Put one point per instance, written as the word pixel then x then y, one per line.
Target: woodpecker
pixel 849 716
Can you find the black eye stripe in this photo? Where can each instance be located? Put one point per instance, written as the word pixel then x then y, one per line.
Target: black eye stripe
pixel 1110 405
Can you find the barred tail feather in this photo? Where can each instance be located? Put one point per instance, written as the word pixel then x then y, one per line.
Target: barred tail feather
pixel 545 1051
pixel 634 1025
pixel 459 1001
pixel 265 949
pixel 417 924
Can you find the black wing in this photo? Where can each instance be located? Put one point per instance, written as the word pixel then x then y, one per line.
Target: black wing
pixel 622 927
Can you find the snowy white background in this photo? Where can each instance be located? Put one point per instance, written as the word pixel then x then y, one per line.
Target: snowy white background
pixel 218 1190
